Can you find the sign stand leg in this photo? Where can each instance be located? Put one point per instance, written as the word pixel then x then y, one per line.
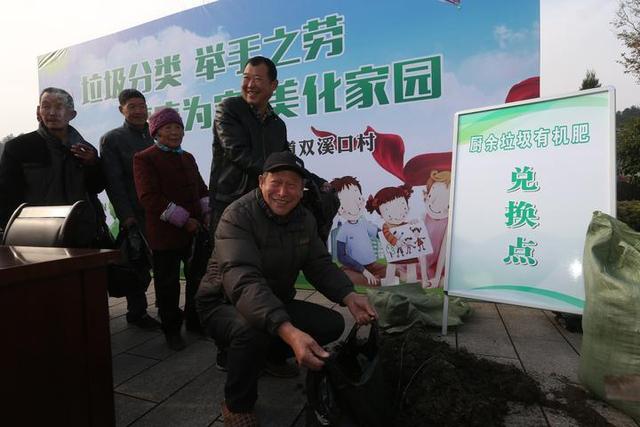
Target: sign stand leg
pixel 445 314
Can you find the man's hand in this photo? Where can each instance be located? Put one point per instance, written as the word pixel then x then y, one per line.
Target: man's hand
pixel 360 308
pixel 191 226
pixel 307 351
pixel 85 154
pixel 371 279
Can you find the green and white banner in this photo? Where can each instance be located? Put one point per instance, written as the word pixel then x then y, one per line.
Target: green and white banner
pixel 527 178
pixel 367 90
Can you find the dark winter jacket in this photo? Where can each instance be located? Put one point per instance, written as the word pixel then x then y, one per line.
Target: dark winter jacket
pixel 256 262
pixel 241 143
pixel 39 169
pixel 163 178
pixel 117 148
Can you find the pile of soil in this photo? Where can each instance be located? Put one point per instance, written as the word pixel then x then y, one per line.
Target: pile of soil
pixel 435 384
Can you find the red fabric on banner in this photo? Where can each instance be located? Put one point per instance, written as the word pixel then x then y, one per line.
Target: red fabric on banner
pixel 389 152
pixel 526 89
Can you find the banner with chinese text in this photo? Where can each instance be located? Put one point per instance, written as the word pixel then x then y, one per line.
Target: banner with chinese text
pixel 527 179
pixel 366 89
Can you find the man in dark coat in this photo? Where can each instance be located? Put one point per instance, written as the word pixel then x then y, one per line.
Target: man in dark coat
pixel 52 166
pixel 117 148
pixel 246 299
pixel 246 130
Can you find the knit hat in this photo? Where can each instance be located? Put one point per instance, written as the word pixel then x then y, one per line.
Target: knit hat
pixel 163 117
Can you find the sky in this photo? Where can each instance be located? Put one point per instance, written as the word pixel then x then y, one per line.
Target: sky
pixel 29 28
pixel 575 35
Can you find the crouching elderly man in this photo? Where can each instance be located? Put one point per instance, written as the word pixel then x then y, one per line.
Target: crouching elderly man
pixel 246 299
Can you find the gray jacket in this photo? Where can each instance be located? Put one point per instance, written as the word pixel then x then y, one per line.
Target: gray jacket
pixel 117 148
pixel 256 262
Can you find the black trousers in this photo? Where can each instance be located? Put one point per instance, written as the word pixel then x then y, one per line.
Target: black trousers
pixel 137 299
pixel 166 279
pixel 249 348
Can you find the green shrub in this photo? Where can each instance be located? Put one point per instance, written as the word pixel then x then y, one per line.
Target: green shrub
pixel 628 190
pixel 629 213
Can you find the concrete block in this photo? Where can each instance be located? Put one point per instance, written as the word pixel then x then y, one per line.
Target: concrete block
pixel 482 309
pixel 574 338
pixel 126 366
pixel 118 309
pixel 128 409
pixel 165 378
pixel 485 336
pixel 129 338
pixel 548 357
pixel 118 324
pixel 528 323
pixel 112 302
pixel 196 404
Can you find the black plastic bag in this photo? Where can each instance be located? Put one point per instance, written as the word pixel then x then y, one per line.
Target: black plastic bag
pixel 350 390
pixel 102 237
pixel 131 272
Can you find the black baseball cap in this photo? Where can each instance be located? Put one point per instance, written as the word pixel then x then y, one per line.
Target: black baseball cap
pixel 284 160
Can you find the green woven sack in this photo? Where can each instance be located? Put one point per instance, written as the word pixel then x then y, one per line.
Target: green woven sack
pixel 610 355
pixel 400 307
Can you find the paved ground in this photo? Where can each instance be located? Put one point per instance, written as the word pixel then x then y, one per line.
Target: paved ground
pixel 154 386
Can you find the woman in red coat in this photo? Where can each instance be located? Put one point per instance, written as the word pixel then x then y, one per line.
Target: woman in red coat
pixel 176 204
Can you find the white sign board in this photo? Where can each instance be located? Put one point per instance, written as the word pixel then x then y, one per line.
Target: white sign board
pixel 527 178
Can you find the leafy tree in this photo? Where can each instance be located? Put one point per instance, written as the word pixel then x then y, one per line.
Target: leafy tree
pixel 628 148
pixel 627 25
pixel 626 114
pixel 590 81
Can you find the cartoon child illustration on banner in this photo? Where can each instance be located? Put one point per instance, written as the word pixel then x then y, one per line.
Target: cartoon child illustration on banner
pixel 400 235
pixel 433 170
pixel 354 246
pixel 426 238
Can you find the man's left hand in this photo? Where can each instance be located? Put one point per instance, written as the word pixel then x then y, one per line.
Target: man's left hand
pixel 85 154
pixel 360 308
